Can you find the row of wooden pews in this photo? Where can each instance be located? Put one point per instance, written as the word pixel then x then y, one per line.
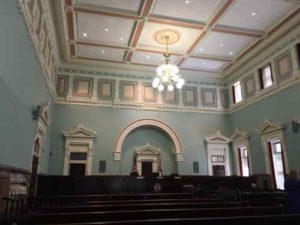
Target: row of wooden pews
pixel 160 208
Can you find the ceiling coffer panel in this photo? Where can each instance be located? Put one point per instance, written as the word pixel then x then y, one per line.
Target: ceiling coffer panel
pixel 97 52
pixel 112 5
pixel 103 29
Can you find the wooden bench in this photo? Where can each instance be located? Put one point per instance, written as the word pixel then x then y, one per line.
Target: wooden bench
pixel 236 220
pixel 187 200
pixel 56 200
pixel 42 218
pixel 141 206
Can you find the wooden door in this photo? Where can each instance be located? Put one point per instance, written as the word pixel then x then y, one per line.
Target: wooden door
pixel 147 168
pixel 77 169
pixel 218 170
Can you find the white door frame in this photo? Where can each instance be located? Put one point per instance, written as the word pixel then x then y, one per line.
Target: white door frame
pixel 217 144
pixel 79 139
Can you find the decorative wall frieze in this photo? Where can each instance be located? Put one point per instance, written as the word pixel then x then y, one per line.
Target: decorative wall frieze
pixel 116 90
pixel 40 29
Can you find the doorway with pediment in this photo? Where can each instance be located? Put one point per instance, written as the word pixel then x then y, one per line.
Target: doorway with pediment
pixel 148 160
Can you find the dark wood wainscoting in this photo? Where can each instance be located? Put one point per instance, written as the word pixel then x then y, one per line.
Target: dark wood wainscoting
pixel 92 185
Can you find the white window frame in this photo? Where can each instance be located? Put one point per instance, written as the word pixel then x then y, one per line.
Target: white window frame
pixel 238 96
pixel 218 144
pixel 241 140
pixel 268 132
pixel 266 78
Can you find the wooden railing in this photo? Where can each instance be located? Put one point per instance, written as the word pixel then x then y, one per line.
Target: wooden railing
pixel 15 209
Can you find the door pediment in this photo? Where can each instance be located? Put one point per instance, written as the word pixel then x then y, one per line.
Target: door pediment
pixel 238 135
pixel 148 150
pixel 80 132
pixel 217 138
pixel 270 126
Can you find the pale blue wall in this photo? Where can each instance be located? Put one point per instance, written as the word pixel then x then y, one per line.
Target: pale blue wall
pixel 191 129
pixel 22 86
pixel 281 107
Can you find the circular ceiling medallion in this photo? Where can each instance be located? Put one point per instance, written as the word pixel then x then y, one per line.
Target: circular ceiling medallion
pixel 162 36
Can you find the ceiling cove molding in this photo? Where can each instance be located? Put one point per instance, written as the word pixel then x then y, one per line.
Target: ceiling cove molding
pixel 116 75
pixel 40 30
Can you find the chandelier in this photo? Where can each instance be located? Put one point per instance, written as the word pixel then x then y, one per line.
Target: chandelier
pixel 167 74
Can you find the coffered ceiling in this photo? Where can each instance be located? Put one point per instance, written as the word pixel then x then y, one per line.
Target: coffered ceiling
pixel 212 33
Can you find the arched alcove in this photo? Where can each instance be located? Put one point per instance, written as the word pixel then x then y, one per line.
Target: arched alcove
pixel 148 144
pixel 148 123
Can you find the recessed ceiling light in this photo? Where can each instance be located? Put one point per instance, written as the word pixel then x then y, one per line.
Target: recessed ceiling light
pixel 122 39
pixel 106 29
pixel 230 53
pixel 162 58
pixel 253 13
pixel 187 2
pixel 102 51
pixel 203 63
pixel 84 34
pixel 201 49
pixel 148 56
pixel 221 45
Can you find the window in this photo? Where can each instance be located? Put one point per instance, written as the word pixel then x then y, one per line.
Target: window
pixel 237 92
pixel 78 156
pixel 277 163
pixel 102 166
pixel 195 167
pixel 265 76
pixel 244 161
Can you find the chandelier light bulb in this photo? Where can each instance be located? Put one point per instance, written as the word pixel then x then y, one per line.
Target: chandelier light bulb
pixel 155 82
pixel 161 87
pixel 170 87
pixel 179 85
pixel 181 81
pixel 176 78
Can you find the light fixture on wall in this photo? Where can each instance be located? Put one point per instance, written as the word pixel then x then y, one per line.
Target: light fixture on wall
pixel 167 74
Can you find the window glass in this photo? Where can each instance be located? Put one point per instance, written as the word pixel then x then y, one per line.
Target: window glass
pixel 237 92
pixel 267 77
pixel 78 156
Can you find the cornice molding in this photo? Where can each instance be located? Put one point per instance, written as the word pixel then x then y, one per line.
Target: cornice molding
pixel 40 31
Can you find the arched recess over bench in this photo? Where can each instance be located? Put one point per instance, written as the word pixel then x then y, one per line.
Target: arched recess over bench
pixel 148 122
